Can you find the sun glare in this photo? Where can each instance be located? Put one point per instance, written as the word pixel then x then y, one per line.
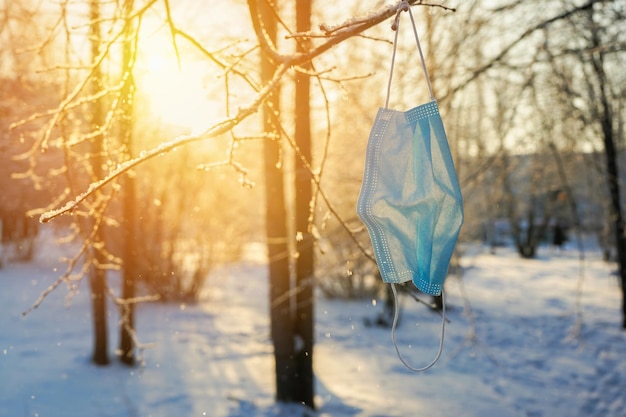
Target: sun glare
pixel 177 95
pixel 189 94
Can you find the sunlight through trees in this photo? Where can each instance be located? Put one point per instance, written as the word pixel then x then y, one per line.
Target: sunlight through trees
pixel 163 137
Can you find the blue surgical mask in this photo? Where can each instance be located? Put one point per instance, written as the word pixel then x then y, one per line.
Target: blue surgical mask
pixel 410 199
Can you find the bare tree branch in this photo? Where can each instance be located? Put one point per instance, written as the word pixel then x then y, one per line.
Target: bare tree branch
pixel 347 30
pixel 500 56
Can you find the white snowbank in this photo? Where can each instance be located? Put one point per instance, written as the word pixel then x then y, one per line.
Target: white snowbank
pixel 512 348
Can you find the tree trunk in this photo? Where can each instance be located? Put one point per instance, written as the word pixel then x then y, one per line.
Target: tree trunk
pixel 276 230
pixel 97 281
pixel 612 170
pixel 616 211
pixel 97 277
pixel 304 317
pixel 127 326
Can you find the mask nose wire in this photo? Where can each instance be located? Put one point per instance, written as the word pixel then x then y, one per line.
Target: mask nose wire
pixel 404 6
pixel 395 324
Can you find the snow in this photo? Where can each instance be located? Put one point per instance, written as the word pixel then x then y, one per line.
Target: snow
pixel 512 348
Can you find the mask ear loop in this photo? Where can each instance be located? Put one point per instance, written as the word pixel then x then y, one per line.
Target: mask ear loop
pixel 396 314
pixel 419 48
pixel 395 26
pixel 404 6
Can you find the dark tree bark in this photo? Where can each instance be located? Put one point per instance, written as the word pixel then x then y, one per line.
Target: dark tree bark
pixel 605 115
pixel 97 275
pixel 615 198
pixel 304 317
pixel 129 274
pixel 616 211
pixel 97 281
pixel 276 229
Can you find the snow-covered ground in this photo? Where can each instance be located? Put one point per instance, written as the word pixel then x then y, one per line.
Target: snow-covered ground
pixel 512 347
